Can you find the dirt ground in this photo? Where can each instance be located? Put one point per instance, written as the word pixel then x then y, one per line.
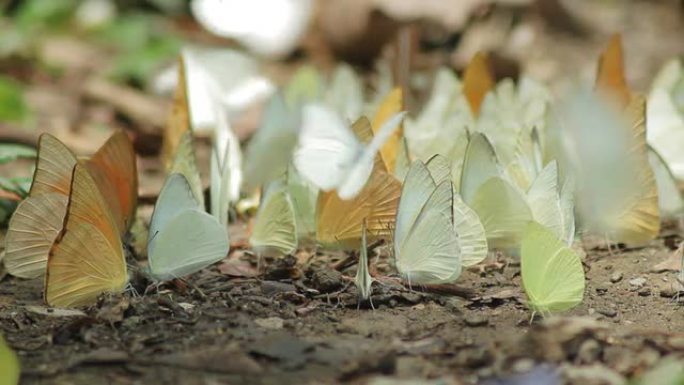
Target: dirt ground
pixel 300 323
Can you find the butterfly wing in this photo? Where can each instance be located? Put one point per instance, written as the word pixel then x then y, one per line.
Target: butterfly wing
pixel 275 227
pixel 191 241
pixel 345 92
pixel 175 197
pixel 430 252
pixel 327 148
pixel 610 77
pixel 179 119
pixel 417 189
pixel 339 221
pixel 391 105
pixel 477 81
pixel 270 149
pixel 363 279
pixel 9 364
pixel 33 228
pixel 185 163
pixel 439 168
pixel 543 197
pixel 479 165
pixel 304 196
pixel 552 274
pixel 362 168
pixel 54 167
pixel 114 170
pixel 670 200
pixel 503 211
pixel 472 238
pixel 87 259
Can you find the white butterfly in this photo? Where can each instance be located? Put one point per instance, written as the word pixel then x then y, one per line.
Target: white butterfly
pixel 426 248
pixel 183 237
pixel 331 156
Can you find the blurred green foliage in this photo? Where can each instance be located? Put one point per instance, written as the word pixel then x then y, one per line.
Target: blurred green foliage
pixel 13 108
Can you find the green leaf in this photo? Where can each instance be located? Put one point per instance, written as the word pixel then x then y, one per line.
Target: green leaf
pixel 10 152
pixel 13 108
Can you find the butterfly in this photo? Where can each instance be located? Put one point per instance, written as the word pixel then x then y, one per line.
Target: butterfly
pixel 275 226
pixel 390 106
pixel 269 151
pixel 225 169
pixel 304 196
pixel 477 81
pixel 618 202
pixel 38 220
pixel 363 279
pixel 87 258
pixel 9 364
pixel 670 200
pixel 665 115
pixel 610 76
pixel 184 163
pixel 472 239
pixel 331 156
pixel 179 120
pixel 552 274
pixel 183 237
pixel 344 92
pixel 426 248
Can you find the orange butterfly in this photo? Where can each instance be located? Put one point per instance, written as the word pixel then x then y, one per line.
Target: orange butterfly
pixel 179 120
pixel 610 77
pixel 87 258
pixel 39 218
pixel 391 105
pixel 339 222
pixel 477 82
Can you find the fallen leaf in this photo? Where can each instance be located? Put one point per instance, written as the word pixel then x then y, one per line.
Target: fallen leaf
pixel 238 268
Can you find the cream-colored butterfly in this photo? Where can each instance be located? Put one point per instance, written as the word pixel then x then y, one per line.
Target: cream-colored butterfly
pixel 269 151
pixel 363 279
pixel 472 239
pixel 275 227
pixel 426 248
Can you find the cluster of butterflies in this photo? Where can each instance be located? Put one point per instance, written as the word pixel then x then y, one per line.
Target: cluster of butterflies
pixel 483 166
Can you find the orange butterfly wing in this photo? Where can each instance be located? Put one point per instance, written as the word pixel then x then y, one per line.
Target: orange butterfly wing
pixel 339 222
pixel 87 258
pixel 113 168
pixel 54 167
pixel 610 77
pixel 179 120
pixel 391 105
pixel 477 81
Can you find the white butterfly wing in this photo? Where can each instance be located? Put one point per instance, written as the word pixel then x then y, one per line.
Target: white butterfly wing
pixel 327 147
pixel 430 253
pixel 358 175
pixel 270 149
pixel 175 197
pixel 191 241
pixel 472 238
pixel 479 165
pixel 417 189
pixel 670 198
pixel 543 197
pixel 275 227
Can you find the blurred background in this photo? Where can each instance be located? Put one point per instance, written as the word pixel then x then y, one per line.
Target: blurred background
pixel 79 69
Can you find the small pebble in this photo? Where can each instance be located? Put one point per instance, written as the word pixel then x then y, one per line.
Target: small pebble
pixel 475 320
pixel 607 312
pixel 668 290
pixel 616 277
pixel 645 292
pixel 638 282
pixel 601 288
